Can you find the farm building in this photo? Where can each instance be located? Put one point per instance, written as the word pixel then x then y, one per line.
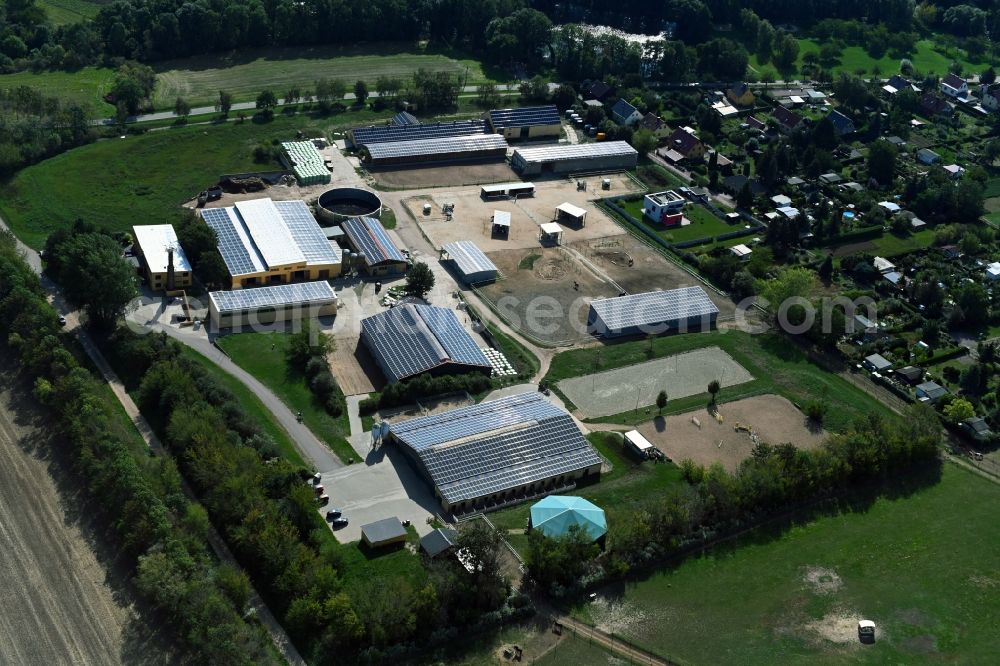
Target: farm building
pixel 361 136
pixel 567 212
pixel 639 444
pixel 496 453
pixel 472 265
pixel 163 259
pixel 266 305
pixel 556 514
pixel 383 532
pixel 476 147
pixel 368 238
pixel 550 233
pixel 439 542
pixel 412 339
pixel 266 242
pixel 504 190
pixel 570 158
pixel 653 312
pixel 658 204
pixel 305 161
pixel 501 223
pixel 528 122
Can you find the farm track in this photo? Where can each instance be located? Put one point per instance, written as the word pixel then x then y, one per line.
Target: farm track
pixel 63 595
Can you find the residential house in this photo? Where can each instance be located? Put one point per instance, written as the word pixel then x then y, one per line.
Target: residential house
pixel 897 83
pixel 841 124
pixel 753 123
pixel 930 392
pixel 931 105
pixel 652 122
pixel 624 113
pixel 684 142
pixel 978 428
pixel 788 121
pixel 927 156
pixel 954 170
pixel 877 363
pixel 955 86
pixel 598 90
pixel 739 94
pixel 991 97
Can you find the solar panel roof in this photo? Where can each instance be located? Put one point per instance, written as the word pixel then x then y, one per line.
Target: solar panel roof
pixel 494 446
pixel 237 250
pixel 405 118
pixel 272 238
pixel 469 258
pixel 653 307
pixel 307 234
pixel 445 145
pixel 560 152
pixel 368 236
pixel 412 338
pixel 362 136
pixel 304 293
pixel 525 116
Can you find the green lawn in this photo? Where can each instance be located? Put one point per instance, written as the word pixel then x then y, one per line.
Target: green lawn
pixel 923 567
pixel 63 12
pixel 85 87
pixel 577 651
pixel 703 223
pixel 892 245
pixel 925 58
pixel 251 405
pixel 264 356
pixel 116 183
pixel 246 72
pixel 777 365
pixel 628 485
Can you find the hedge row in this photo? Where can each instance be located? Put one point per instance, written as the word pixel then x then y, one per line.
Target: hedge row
pixel 422 387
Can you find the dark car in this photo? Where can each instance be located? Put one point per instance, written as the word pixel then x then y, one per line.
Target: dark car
pixel 338 523
pixel 62 320
pixel 333 513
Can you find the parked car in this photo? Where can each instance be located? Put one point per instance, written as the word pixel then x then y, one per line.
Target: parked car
pixel 338 522
pixel 333 514
pixel 317 477
pixel 62 320
pixel 323 499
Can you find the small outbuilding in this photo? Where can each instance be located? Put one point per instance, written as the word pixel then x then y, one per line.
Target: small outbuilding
pixel 556 514
pixel 166 266
pixel 877 362
pixel 910 374
pixel 472 265
pixel 573 214
pixel 501 223
pixel 930 392
pixel 741 252
pixel 550 233
pixel 383 532
pixel 639 444
pixel 439 542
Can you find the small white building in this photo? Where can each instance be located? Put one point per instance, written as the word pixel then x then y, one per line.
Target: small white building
pixel 658 204
pixel 780 200
pixel 639 444
pixel 883 265
pixel 889 207
pixel 993 271
pixel 954 170
pixel 741 252
pixel 161 254
pixel 550 233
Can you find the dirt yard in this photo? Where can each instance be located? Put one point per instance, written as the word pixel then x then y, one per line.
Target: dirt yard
pixel 443 176
pixel 773 419
pixel 638 268
pixel 65 597
pixel 355 368
pixel 471 219
pixel 537 294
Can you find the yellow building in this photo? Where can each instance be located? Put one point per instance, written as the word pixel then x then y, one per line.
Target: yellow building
pixel 530 122
pixel 160 253
pixel 272 242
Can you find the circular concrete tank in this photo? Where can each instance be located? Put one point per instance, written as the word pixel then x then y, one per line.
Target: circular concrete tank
pixel 341 203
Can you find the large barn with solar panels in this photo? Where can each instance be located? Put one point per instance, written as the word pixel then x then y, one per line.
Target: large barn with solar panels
pixel 272 242
pixel 379 255
pixel 473 147
pixel 651 313
pixel 266 305
pixel 497 453
pixel 413 339
pixel 529 122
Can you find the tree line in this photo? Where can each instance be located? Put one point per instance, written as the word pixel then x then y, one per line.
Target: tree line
pixel 34 127
pixel 161 532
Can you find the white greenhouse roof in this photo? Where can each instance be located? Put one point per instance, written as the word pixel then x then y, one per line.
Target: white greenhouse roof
pixel 304 293
pixel 153 240
pixel 501 218
pixel 653 307
pixel 551 228
pixel 564 152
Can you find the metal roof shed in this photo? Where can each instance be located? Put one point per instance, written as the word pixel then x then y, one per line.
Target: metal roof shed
pixel 575 213
pixel 474 266
pixel 638 443
pixel 439 541
pixel 653 312
pixel 383 532
pixel 550 232
pixel 501 222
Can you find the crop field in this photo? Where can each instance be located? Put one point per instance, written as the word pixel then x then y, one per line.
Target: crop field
pixel 62 12
pixel 65 594
pixel 118 183
pixel 922 565
pixel 246 72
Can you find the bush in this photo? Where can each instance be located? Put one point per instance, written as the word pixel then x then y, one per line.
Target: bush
pixel 816 411
pixel 314 366
pixel 323 385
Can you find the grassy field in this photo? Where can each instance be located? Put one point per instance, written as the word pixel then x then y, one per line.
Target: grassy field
pixel 63 12
pixel 620 491
pixel 85 87
pixel 777 365
pixel 893 245
pixel 927 58
pixel 576 651
pixel 926 575
pixel 142 179
pixel 246 72
pixel 703 223
pixel 264 356
pixel 251 405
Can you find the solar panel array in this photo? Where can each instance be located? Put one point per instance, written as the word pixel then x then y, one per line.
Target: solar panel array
pixel 445 145
pixel 404 118
pixel 469 258
pixel 411 338
pixel 525 116
pixel 307 234
pixel 362 136
pixel 304 293
pixel 239 253
pixel 368 236
pixel 653 307
pixel 574 151
pixel 495 446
